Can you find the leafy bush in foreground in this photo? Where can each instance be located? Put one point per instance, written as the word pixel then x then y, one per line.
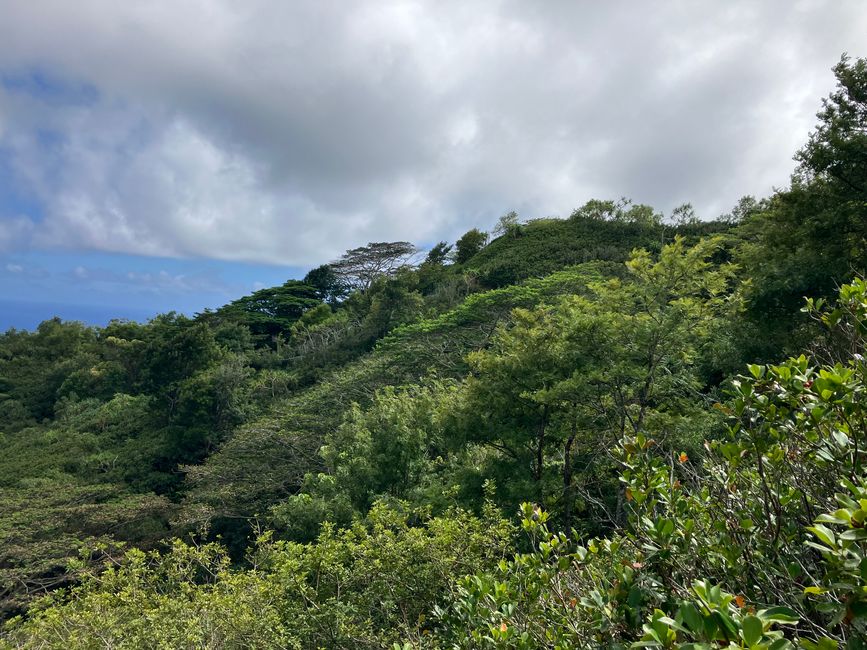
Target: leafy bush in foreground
pixel 762 545
pixel 363 587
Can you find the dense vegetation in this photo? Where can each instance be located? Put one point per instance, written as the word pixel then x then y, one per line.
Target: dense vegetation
pixel 613 429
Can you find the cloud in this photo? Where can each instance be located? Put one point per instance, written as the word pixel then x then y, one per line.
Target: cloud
pixel 15 232
pixel 161 283
pixel 288 132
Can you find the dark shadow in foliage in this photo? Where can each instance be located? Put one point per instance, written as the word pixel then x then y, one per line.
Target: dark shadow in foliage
pixel 268 313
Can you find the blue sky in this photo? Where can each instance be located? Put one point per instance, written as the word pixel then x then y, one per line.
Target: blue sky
pixel 94 285
pixel 176 155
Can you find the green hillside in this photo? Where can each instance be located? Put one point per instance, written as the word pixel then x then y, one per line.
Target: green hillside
pixel 613 429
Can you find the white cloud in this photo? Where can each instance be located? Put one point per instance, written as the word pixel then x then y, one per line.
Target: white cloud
pixel 103 281
pixel 287 132
pixel 15 232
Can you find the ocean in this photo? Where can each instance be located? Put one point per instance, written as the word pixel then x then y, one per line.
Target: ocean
pixel 27 315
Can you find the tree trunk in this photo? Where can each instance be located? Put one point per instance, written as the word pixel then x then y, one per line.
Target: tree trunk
pixel 567 478
pixel 540 449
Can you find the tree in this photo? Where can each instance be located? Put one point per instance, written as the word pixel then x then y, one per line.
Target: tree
pixel 809 239
pixel 508 224
pixel 433 272
pixel 438 254
pixel 599 210
pixel 837 148
pixel 368 587
pixel 623 210
pixel 360 267
pixel 329 287
pixel 272 311
pixel 746 206
pixel 569 379
pixel 387 449
pixel 683 215
pixel 469 244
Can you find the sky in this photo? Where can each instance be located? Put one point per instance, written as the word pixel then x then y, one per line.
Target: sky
pixel 175 155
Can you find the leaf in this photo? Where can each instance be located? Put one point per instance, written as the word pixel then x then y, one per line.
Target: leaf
pixel 779 615
pixel 756 370
pixel 726 625
pixel 839 517
pixel 825 534
pixel 780 644
pixel 691 616
pixel 854 534
pixel 752 630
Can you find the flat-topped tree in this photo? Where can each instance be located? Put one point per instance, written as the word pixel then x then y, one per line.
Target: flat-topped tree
pixel 272 311
pixel 359 267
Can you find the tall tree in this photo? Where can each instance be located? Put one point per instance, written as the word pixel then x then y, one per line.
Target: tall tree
pixel 438 254
pixel 272 311
pixel 329 287
pixel 810 238
pixel 567 380
pixel 837 148
pixel 360 267
pixel 508 224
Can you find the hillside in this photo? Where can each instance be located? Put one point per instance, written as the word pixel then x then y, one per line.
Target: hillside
pixel 604 430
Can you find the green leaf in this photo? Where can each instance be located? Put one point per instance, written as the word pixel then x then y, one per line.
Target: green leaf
pixel 691 616
pixel 825 534
pixel 839 517
pixel 752 630
pixel 780 644
pixel 779 615
pixel 854 534
pixel 756 370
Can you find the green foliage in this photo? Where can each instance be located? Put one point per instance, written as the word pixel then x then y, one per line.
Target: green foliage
pixel 45 521
pixel 811 238
pixel 623 210
pixel 329 287
pixel 34 366
pixel 470 243
pixel 508 225
pixel 360 267
pixel 559 381
pixel 387 449
pixel 545 246
pixel 364 587
pixel 836 147
pixel 270 312
pixel 269 459
pixel 439 254
pixel 754 547
pixel 345 420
